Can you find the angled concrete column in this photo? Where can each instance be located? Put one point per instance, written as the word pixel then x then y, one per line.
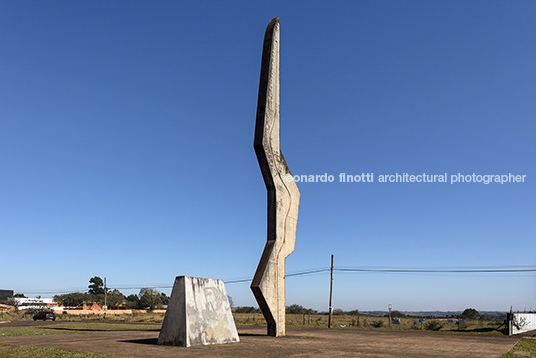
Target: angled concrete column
pixel 198 314
pixel 268 284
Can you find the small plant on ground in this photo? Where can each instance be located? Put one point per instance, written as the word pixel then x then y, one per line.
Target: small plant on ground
pixel 377 324
pixel 433 326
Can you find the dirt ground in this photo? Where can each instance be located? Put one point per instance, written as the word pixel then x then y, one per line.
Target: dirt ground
pixel 299 342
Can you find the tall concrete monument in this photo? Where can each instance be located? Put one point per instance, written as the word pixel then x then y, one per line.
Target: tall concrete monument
pixel 268 284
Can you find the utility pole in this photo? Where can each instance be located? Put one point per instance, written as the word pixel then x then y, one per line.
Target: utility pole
pixel 105 293
pixel 330 294
pixel 390 316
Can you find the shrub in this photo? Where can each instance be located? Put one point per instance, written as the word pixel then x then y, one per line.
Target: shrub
pixel 247 309
pixel 471 313
pixel 397 314
pixel 298 309
pixel 377 324
pixel 33 311
pixel 433 326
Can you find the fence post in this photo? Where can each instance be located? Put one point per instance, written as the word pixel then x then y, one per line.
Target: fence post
pixel 508 324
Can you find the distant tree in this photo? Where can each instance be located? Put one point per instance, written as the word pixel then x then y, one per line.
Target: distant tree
pixel 96 286
pixel 115 298
pixel 471 313
pixel 295 309
pixel 133 302
pixel 13 302
pixel 247 309
pixel 231 303
pixel 75 299
pixel 353 312
pixel 19 295
pixel 397 314
pixel 150 298
pixel 337 311
pixel 164 298
pixel 299 309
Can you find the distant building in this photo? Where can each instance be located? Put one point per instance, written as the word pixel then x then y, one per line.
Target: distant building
pixel 5 295
pixel 37 303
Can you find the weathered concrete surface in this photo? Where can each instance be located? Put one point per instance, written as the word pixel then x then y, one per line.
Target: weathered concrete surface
pixel 198 314
pixel 268 284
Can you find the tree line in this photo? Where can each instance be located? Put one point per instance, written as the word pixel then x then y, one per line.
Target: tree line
pixel 469 313
pixel 147 298
pixel 296 309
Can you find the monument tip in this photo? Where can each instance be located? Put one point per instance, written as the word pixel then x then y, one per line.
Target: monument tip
pixel 275 20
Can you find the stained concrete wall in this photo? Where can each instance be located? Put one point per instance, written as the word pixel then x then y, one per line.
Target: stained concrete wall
pixel 198 314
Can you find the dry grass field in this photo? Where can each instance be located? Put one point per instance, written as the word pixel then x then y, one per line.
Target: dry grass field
pixel 308 320
pixel 351 335
pixel 377 323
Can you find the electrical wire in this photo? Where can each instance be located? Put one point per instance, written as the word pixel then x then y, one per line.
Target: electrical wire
pixel 453 270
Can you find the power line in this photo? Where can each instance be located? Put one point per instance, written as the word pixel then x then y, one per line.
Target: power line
pixel 238 281
pixel 435 270
pixel 454 270
pixel 505 269
pixel 309 272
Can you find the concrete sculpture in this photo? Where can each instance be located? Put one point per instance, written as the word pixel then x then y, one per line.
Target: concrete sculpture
pixel 198 314
pixel 268 284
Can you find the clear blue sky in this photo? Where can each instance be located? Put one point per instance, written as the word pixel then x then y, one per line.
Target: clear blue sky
pixel 126 147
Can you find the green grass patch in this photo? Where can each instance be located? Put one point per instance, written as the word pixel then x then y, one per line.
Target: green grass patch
pixel 29 331
pixel 510 355
pixel 524 345
pixel 149 317
pixel 79 327
pixel 39 352
pixel 486 331
pixel 102 327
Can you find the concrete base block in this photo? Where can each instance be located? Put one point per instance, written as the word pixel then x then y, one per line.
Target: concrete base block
pixel 198 313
